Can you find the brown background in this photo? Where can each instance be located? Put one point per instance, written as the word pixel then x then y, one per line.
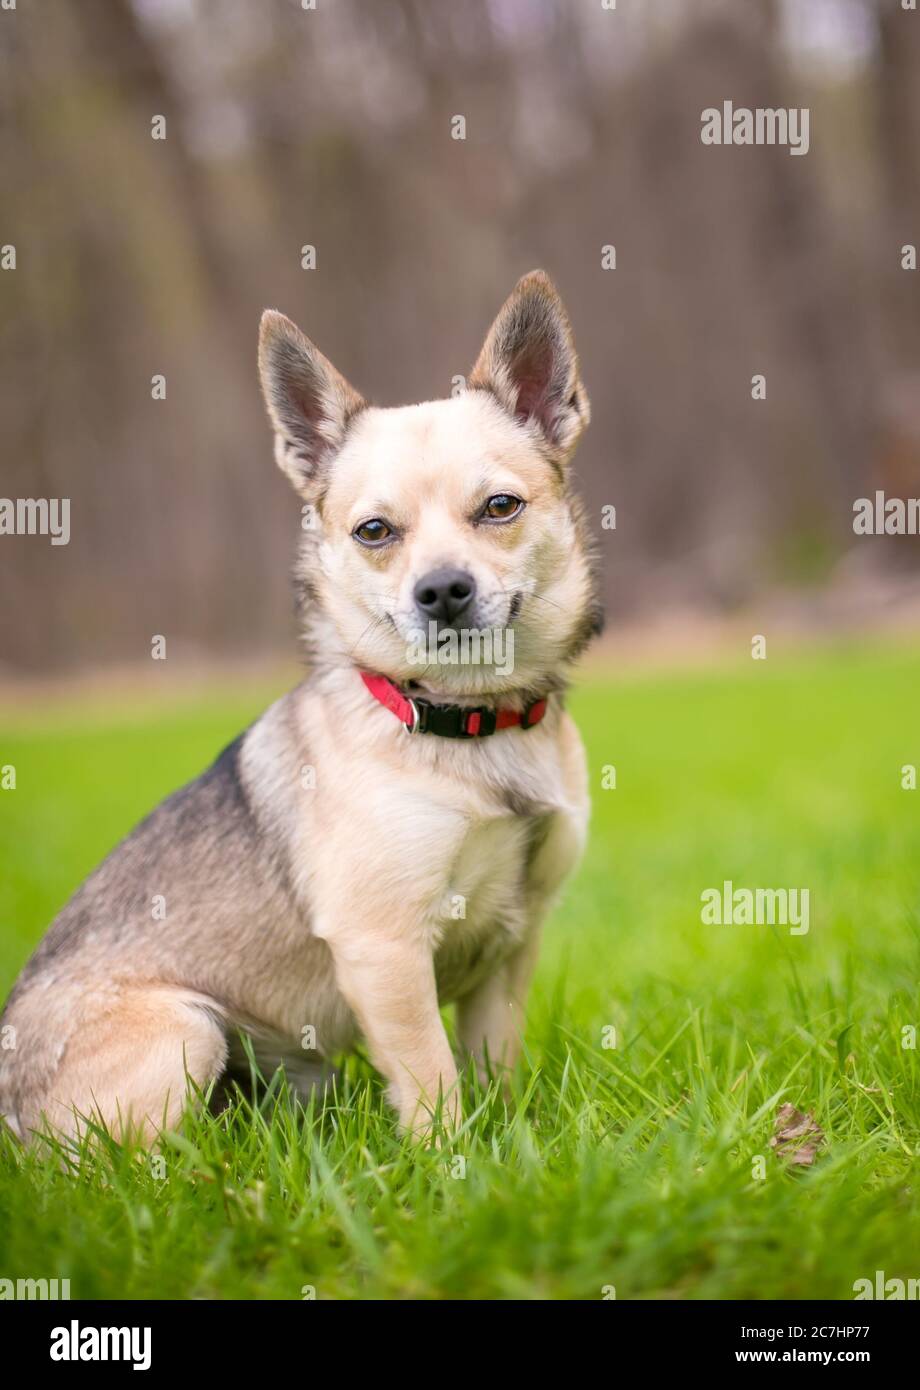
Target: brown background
pixel 332 127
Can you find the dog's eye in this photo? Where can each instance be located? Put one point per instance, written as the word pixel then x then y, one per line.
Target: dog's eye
pixel 373 532
pixel 502 507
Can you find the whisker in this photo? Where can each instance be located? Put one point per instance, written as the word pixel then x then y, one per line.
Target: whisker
pixel 544 599
pixel 533 594
pixel 374 623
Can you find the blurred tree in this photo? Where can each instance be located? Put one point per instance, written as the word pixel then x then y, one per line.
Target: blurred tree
pixel 332 128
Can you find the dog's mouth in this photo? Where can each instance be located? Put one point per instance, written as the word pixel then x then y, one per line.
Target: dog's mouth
pixel 471 650
pixel 496 614
pixel 475 653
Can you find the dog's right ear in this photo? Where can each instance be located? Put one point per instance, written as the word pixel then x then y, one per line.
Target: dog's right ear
pixel 529 363
pixel 309 403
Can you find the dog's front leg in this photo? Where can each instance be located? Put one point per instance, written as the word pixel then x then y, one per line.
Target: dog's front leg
pixel 390 985
pixel 490 1019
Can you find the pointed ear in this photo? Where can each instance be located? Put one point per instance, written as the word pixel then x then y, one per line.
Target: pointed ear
pixel 309 403
pixel 529 363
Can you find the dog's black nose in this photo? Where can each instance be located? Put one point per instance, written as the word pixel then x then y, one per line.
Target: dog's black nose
pixel 444 594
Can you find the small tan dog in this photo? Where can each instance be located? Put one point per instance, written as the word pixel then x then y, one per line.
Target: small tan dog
pixel 389 835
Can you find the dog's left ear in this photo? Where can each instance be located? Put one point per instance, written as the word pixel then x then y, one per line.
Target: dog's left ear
pixel 309 403
pixel 529 363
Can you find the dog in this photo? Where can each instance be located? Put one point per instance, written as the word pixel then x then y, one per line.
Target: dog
pixel 389 836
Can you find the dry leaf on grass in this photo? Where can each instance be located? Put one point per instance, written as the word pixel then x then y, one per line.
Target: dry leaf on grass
pixel 797 1136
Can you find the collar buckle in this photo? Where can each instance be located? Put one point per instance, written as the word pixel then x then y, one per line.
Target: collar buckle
pixel 416 716
pixel 453 721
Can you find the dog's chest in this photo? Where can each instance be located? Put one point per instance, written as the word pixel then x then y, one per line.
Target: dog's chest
pixel 482 914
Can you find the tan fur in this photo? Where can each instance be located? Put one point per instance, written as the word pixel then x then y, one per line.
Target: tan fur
pixel 127 1066
pixel 329 901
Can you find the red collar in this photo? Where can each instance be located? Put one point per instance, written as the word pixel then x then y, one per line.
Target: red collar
pixel 449 721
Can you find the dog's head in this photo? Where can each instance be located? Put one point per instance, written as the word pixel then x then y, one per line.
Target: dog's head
pixel 449 518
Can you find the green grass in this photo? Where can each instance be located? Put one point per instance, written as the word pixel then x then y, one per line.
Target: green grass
pixel 629 1166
